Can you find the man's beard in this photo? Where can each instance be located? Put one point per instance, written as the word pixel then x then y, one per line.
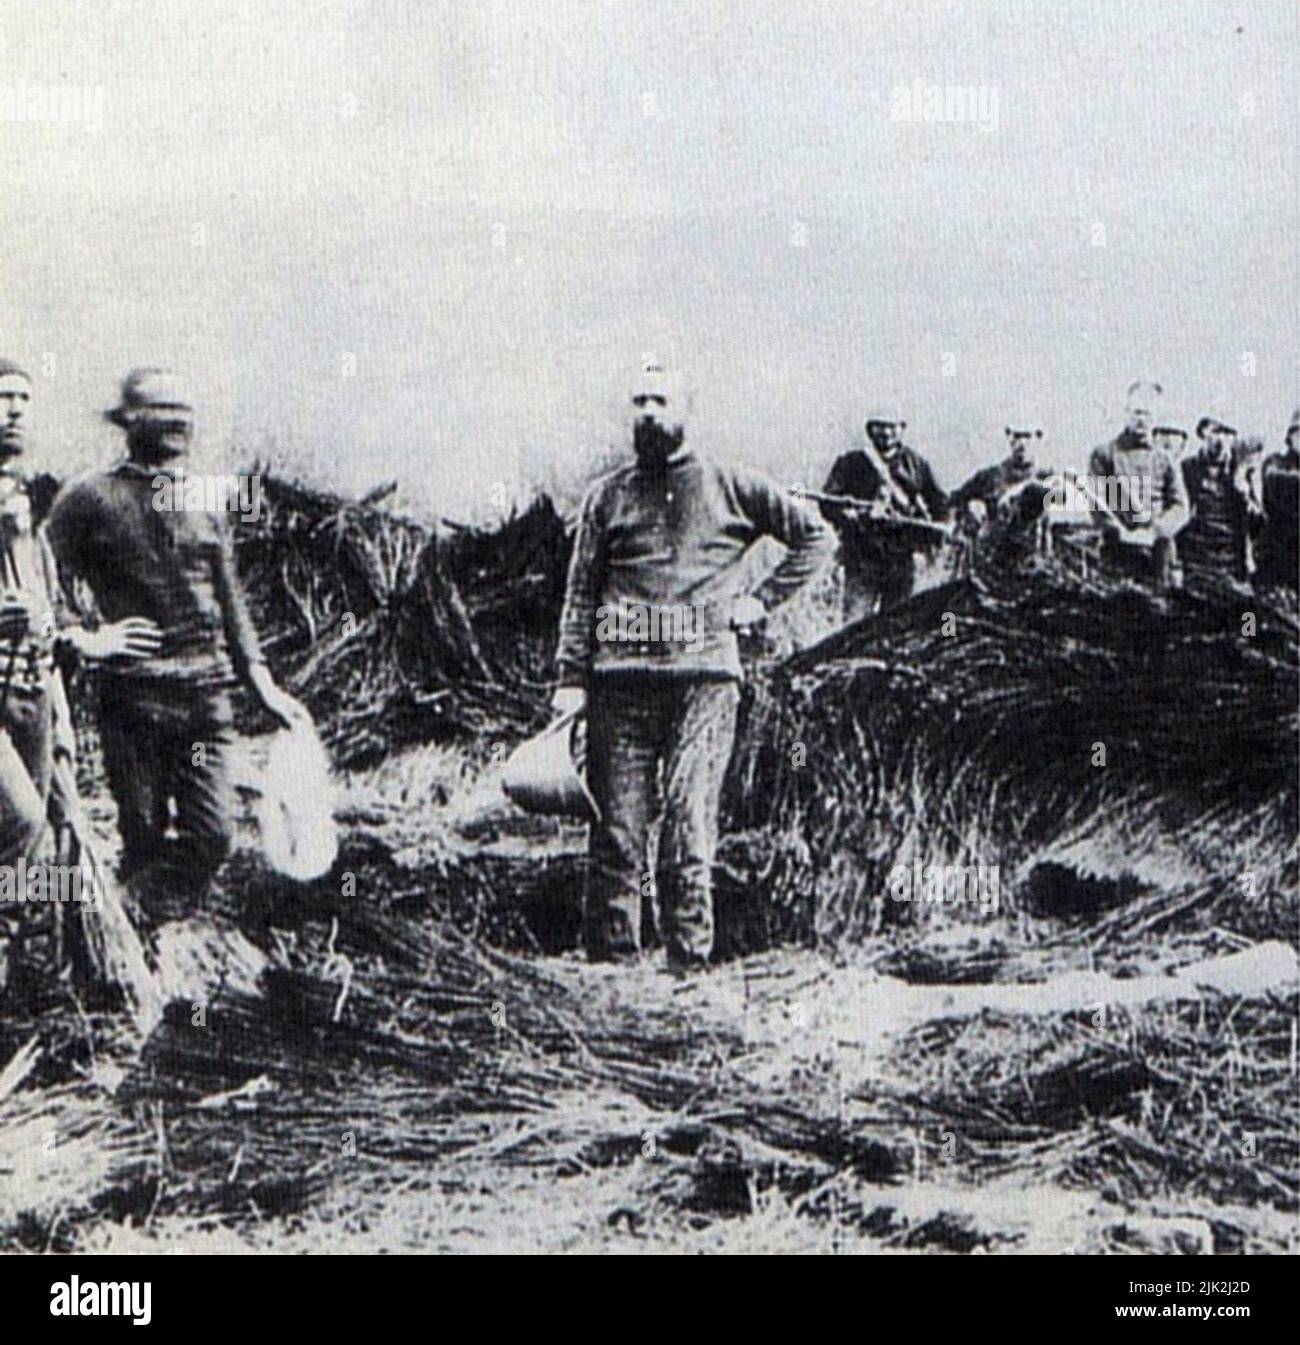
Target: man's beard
pixel 653 444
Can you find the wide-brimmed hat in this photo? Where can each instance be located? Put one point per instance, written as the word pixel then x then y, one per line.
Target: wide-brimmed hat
pixel 148 387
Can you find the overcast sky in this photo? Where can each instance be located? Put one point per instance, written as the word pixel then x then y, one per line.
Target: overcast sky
pixel 432 240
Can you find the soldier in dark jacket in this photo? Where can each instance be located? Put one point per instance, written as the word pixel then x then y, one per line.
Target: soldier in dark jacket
pixel 1140 494
pixel 988 486
pixel 1225 488
pixel 889 477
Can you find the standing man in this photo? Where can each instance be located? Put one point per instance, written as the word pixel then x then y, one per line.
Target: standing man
pixel 895 483
pixel 34 721
pixel 165 719
pixel 1139 494
pixel 990 484
pixel 36 731
pixel 1279 563
pixel 1226 490
pixel 31 711
pixel 656 593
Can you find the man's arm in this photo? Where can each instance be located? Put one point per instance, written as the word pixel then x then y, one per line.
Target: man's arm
pixel 1099 462
pixel 797 525
pixel 66 530
pixel 978 487
pixel 77 623
pixel 837 483
pixel 241 636
pixel 581 593
pixel 936 500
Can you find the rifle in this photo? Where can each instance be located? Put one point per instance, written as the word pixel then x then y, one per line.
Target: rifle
pixel 881 513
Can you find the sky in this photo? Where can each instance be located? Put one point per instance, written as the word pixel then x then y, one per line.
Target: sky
pixel 433 241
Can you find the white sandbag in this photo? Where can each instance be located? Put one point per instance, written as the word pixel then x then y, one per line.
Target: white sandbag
pixel 294 808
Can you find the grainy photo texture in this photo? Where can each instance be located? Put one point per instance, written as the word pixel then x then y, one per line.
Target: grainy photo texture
pixel 648 627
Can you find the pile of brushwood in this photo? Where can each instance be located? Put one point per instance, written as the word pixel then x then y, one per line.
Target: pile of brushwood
pixel 1126 759
pixel 384 1054
pixel 1017 713
pixel 396 632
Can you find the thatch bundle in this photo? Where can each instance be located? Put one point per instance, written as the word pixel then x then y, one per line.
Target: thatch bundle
pixel 395 632
pixel 1006 714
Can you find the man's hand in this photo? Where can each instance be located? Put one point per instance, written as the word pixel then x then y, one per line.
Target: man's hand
pixel 15 621
pixel 748 615
pixel 132 638
pixel 568 701
pixel 277 703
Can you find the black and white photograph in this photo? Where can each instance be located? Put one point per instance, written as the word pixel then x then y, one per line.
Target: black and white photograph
pixel 649 627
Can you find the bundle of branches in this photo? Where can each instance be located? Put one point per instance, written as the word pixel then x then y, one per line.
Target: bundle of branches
pixel 1189 1100
pixel 512 579
pixel 383 1051
pixel 363 617
pixel 352 1072
pixel 990 717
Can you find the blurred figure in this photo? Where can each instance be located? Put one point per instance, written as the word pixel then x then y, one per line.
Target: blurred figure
pixel 1279 550
pixel 165 715
pixel 657 590
pixel 894 483
pixel 1225 487
pixel 1139 496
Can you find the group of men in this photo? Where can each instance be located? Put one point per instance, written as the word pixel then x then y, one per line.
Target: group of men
pixel 1222 510
pixel 151 599
pixel 667 536
pixel 673 528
